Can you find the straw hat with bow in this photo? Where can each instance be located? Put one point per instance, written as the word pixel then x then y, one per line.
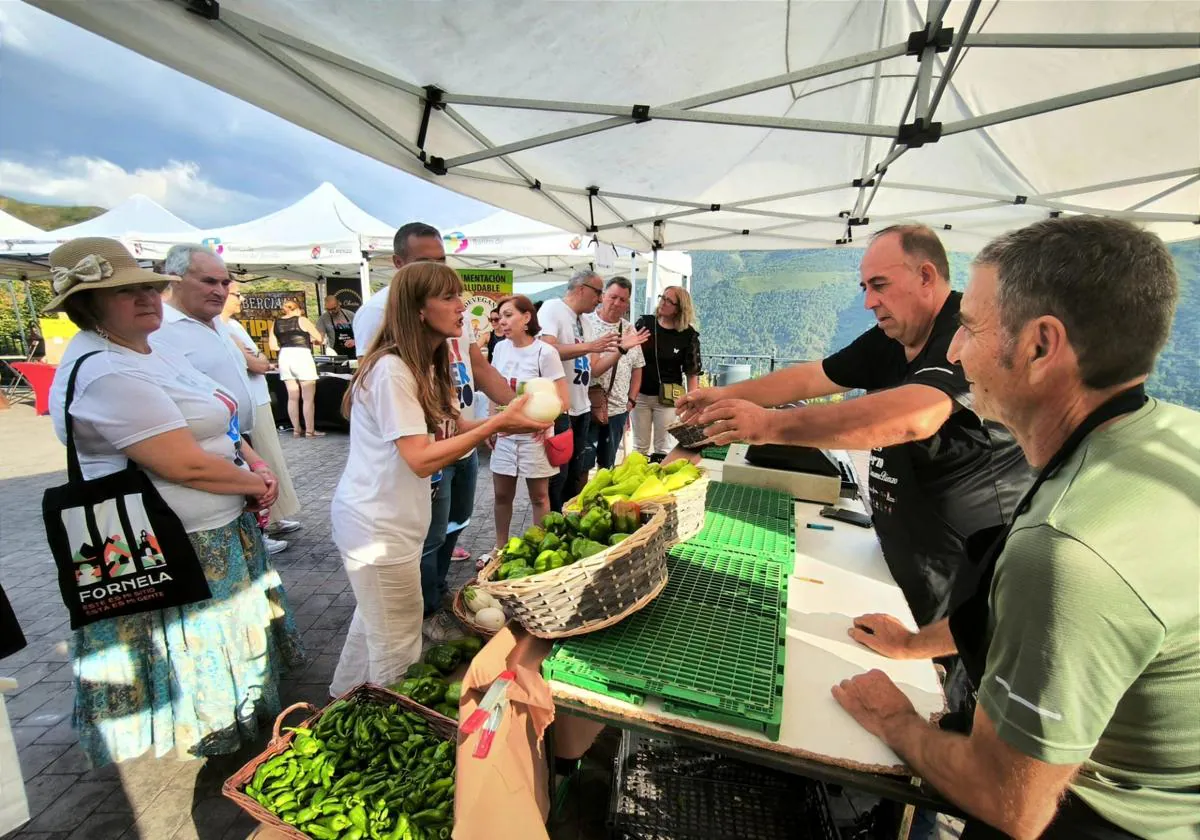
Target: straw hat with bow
pixel 95 262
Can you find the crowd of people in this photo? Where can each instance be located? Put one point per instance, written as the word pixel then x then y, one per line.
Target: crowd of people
pixel 1037 509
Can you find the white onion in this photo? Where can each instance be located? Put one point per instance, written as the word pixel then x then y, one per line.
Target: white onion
pixel 543 407
pixel 540 385
pixel 490 618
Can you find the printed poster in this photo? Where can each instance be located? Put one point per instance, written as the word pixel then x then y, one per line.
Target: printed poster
pixel 259 311
pixel 482 289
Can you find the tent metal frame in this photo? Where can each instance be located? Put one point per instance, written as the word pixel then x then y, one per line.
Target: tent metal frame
pixel 926 46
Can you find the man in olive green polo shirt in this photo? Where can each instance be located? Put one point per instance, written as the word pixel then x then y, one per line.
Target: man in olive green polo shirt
pixel 1080 625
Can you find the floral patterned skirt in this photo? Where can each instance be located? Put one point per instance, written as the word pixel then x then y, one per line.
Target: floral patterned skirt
pixel 195 680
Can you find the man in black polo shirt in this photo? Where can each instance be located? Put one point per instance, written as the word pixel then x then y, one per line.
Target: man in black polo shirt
pixel 938 473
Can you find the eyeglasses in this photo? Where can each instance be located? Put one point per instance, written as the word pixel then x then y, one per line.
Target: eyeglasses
pixel 494 319
pixel 599 290
pixel 665 299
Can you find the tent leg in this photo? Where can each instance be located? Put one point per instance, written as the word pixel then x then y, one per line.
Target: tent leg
pixel 654 289
pixel 18 315
pixel 633 304
pixel 364 276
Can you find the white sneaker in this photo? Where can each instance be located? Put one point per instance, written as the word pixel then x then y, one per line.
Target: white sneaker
pixel 275 546
pixel 283 526
pixel 441 627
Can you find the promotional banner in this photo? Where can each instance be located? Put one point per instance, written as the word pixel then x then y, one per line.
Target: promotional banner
pixel 347 290
pixel 482 288
pixel 259 311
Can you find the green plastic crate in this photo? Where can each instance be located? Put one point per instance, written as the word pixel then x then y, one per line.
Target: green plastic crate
pixel 738 498
pixel 715 453
pixel 758 538
pixel 712 645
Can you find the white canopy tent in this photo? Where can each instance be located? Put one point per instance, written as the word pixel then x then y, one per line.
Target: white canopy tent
pixel 16 239
pixel 538 252
pixel 323 235
pixel 726 125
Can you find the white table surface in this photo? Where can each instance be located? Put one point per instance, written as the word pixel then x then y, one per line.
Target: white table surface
pixel 819 652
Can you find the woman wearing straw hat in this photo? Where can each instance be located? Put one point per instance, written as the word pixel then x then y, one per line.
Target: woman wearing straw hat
pixel 404 429
pixel 196 679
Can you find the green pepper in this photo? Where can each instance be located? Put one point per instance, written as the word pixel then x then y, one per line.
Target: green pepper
pixel 582 547
pixel 601 527
pixel 443 657
pixel 454 692
pixel 573 520
pixel 542 563
pixel 617 539
pixel 469 645
pixel 551 542
pixel 523 571
pixel 320 832
pixel 553 521
pixel 420 669
pixel 447 710
pixel 534 535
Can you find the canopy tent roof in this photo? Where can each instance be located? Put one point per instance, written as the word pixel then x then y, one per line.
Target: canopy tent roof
pixel 726 124
pixel 536 251
pixel 322 234
pixel 138 212
pixel 14 229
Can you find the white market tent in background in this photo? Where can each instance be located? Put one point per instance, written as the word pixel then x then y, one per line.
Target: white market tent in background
pixel 727 125
pixel 16 238
pixel 324 234
pixel 138 212
pixel 538 252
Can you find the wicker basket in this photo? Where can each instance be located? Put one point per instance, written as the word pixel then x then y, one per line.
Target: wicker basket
pixel 440 725
pixel 592 593
pixel 685 510
pixel 464 616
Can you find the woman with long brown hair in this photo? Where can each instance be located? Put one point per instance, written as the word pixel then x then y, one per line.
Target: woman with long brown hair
pixel 404 428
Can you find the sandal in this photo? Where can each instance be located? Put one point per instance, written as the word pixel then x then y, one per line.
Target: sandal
pixel 316 434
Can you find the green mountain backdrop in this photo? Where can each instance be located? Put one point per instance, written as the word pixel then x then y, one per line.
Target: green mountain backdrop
pixel 797 305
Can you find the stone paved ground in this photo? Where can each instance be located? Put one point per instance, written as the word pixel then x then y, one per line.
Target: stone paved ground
pixel 162 799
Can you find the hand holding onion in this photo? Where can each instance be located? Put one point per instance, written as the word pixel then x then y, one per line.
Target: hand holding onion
pixel 531 412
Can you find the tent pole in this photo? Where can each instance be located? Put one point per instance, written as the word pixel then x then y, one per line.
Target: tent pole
pixel 364 276
pixel 654 274
pixel 12 291
pixel 633 313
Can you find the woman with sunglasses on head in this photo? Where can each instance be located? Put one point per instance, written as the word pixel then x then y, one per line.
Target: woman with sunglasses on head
pixel 672 369
pixel 404 429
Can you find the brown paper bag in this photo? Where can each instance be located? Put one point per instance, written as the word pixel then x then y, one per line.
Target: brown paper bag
pixel 506 794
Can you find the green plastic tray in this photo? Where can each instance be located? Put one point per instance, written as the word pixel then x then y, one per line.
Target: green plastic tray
pixel 738 498
pixel 715 453
pixel 712 645
pixel 757 537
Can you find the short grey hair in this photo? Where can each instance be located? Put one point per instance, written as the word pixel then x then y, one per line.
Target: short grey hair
pixel 580 277
pixel 1111 284
pixel 179 258
pixel 623 282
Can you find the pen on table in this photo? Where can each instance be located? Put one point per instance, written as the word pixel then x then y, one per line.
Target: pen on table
pixel 819 527
pixel 809 580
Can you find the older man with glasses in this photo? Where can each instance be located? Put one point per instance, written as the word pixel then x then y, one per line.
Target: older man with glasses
pixel 563 327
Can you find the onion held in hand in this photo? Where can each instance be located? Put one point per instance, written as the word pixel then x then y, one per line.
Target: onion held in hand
pixel 543 406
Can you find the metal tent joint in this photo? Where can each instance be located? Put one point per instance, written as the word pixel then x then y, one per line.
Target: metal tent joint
pixel 916 134
pixel 207 9
pixel 857 221
pixel 592 193
pixel 859 182
pixel 436 165
pixel 433 100
pixel 921 40
pixel 714 207
pixel 640 113
pixel 1020 199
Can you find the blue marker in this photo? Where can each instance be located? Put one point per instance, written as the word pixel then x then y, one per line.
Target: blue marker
pixel 817 527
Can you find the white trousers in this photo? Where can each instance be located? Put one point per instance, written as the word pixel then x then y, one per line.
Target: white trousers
pixel 650 421
pixel 385 633
pixel 266 444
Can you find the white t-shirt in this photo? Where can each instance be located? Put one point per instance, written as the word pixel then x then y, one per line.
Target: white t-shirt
pixel 259 390
pixel 520 364
pixel 381 509
pixel 618 395
pixel 212 352
pixel 368 321
pixel 560 321
pixel 123 397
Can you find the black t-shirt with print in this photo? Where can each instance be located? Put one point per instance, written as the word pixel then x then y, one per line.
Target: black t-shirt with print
pixel 928 496
pixel 673 354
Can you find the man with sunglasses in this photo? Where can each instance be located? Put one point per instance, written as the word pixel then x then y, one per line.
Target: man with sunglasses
pixel 563 327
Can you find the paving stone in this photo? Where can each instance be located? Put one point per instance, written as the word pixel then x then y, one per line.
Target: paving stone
pixel 166 813
pixel 42 791
pixel 103 826
pixel 71 808
pixel 60 733
pixel 38 757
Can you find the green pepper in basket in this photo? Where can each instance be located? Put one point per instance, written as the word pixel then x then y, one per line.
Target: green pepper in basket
pixel 627 517
pixel 469 645
pixel 582 547
pixel 616 539
pixel 421 669
pixel 601 527
pixel 443 657
pixel 542 563
pixel 573 523
pixel 508 567
pixel 523 571
pixel 551 542
pixel 554 522
pixel 447 710
pixel 535 535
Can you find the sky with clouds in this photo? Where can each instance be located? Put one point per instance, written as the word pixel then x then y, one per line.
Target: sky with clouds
pixel 89 122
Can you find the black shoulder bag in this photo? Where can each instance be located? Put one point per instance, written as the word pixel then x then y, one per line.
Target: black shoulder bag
pixel 118 547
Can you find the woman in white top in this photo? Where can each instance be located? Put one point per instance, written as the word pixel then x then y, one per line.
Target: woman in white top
pixel 199 678
pixel 404 427
pixel 519 358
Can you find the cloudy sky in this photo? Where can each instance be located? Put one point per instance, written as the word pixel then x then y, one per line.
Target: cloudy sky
pixel 89 122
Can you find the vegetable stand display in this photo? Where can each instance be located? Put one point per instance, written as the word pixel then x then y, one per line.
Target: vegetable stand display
pixel 740 651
